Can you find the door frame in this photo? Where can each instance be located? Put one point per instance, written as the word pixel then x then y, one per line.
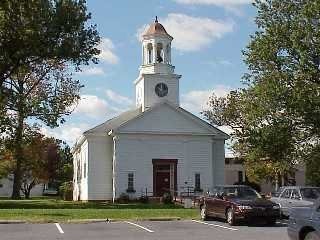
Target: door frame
pixel 173 173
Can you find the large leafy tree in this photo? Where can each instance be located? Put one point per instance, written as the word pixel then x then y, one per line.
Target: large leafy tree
pixel 276 116
pixel 46 160
pixel 40 42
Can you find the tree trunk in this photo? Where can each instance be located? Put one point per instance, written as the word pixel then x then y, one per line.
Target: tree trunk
pixel 18 150
pixel 18 154
pixel 27 193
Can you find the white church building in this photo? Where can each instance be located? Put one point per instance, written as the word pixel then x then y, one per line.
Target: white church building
pixel 157 147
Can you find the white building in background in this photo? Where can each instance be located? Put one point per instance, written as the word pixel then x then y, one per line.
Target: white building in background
pixel 235 173
pixel 156 147
pixel 6 186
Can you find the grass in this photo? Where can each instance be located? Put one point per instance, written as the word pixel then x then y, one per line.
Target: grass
pixel 52 210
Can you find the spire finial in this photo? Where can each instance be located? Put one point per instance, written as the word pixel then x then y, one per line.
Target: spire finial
pixel 156 19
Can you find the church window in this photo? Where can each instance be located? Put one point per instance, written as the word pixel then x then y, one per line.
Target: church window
pixel 85 169
pixel 160 53
pixel 78 170
pixel 197 182
pixel 149 49
pixel 130 182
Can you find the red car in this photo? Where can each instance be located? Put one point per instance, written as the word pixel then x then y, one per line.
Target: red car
pixel 237 202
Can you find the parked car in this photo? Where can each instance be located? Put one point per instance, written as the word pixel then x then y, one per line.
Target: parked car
pixel 237 202
pixel 295 196
pixel 304 223
pixel 277 193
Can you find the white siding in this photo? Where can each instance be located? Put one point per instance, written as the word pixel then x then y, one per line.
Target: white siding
pixel 100 168
pixel 80 188
pixel 135 154
pixel 164 119
pixel 219 163
pixel 151 98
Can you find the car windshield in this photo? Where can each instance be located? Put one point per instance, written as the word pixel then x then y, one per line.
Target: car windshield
pixel 241 192
pixel 310 193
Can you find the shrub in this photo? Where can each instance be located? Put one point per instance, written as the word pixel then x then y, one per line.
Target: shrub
pixel 167 198
pixel 144 199
pixel 66 191
pixel 123 198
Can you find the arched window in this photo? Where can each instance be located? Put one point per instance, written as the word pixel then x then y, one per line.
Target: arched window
pixel 149 53
pixel 160 53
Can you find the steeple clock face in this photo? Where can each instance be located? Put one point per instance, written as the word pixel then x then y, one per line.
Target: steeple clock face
pixel 161 89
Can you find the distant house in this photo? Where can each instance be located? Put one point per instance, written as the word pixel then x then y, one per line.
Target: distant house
pixel 6 185
pixel 235 173
pixel 156 147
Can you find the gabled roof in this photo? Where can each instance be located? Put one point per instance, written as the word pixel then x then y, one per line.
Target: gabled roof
pixel 118 124
pixel 114 122
pixel 201 127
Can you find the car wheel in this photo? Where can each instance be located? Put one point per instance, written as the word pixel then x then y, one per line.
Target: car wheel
pixel 230 217
pixel 203 213
pixel 311 236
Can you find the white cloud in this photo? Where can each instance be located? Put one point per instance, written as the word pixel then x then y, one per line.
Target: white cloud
pixel 141 30
pixel 193 33
pixel 67 132
pixel 218 63
pixel 117 98
pixel 216 2
pixel 107 51
pixel 196 101
pixel 92 106
pixel 96 107
pixel 92 71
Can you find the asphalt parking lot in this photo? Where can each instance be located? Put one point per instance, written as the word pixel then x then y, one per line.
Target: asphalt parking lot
pixel 186 230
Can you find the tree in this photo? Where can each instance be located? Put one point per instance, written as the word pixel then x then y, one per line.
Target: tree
pixel 276 115
pixel 64 170
pixel 41 155
pixel 313 167
pixel 47 160
pixel 40 41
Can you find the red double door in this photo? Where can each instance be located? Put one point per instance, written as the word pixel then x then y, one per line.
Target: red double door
pixel 164 176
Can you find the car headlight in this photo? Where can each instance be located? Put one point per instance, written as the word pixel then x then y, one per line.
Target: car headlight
pixel 244 207
pixel 276 206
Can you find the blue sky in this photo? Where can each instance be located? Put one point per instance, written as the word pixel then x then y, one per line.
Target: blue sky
pixel 209 36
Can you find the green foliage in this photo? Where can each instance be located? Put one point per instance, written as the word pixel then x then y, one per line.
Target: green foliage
pixel 313 167
pixel 167 198
pixel 123 198
pixel 66 191
pixel 41 42
pixel 276 116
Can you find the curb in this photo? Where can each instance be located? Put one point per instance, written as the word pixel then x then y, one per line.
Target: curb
pixel 89 220
pixel 12 221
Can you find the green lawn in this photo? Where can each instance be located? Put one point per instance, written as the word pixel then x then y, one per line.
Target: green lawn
pixel 51 210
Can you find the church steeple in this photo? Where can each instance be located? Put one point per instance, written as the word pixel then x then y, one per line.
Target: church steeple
pixel 156 45
pixel 157 81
